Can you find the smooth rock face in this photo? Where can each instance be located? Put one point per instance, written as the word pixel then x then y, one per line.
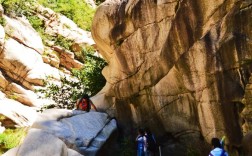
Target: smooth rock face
pixel 176 66
pixel 246 144
pixel 21 115
pixel 22 31
pixel 64 132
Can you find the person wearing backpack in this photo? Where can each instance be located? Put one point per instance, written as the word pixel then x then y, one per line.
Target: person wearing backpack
pixel 152 147
pixel 217 148
pixel 85 104
pixel 141 143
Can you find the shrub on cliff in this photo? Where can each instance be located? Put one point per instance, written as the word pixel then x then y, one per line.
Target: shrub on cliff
pixel 90 75
pixel 90 81
pixel 11 138
pixel 77 10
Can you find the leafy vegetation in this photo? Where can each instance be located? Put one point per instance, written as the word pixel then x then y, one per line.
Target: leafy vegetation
pixel 98 2
pixel 64 95
pixel 90 75
pixel 17 7
pixel 77 10
pixel 89 81
pixel 63 42
pixel 36 22
pixel 2 21
pixel 11 138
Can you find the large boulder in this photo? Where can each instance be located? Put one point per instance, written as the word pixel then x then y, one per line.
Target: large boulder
pixel 25 65
pixel 21 30
pixel 40 142
pixel 56 132
pixel 178 67
pixel 17 114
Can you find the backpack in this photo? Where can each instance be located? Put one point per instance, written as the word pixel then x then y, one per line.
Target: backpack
pixel 151 143
pixel 84 104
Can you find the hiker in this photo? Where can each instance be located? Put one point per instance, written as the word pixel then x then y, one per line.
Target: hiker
pixel 85 104
pixel 217 148
pixel 141 143
pixel 152 147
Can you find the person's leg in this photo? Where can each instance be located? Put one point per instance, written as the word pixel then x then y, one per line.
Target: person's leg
pixel 139 153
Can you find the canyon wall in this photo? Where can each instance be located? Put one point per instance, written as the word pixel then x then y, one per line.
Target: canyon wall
pixel 180 67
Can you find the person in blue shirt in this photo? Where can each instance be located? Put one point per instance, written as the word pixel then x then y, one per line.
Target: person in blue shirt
pixel 217 148
pixel 141 143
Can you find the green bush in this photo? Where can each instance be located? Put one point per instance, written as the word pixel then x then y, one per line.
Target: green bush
pixel 90 75
pixel 65 95
pixel 98 2
pixel 63 42
pixel 77 10
pixel 11 138
pixel 17 7
pixel 90 81
pixel 2 21
pixel 36 22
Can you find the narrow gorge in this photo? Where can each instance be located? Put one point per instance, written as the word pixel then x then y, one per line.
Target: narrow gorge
pixel 181 68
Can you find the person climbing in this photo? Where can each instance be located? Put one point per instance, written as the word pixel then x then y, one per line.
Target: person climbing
pixel 217 148
pixel 152 147
pixel 85 104
pixel 141 143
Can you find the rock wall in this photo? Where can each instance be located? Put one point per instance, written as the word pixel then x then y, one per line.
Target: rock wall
pixel 179 67
pixel 26 62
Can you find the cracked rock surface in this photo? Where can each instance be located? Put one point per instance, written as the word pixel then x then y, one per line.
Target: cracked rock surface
pixel 177 66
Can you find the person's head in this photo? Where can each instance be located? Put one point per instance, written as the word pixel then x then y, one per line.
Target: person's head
pixel 85 96
pixel 140 131
pixel 147 131
pixel 216 142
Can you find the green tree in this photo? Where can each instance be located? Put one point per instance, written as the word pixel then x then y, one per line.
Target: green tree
pixel 90 75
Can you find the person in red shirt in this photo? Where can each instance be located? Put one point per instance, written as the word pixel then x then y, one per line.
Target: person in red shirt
pixel 85 104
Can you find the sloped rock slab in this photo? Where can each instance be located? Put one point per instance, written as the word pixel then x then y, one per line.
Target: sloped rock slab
pixel 80 131
pixel 39 142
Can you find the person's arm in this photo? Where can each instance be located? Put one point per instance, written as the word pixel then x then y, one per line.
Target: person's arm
pixel 145 143
pixel 92 105
pixel 154 138
pixel 77 103
pixel 137 138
